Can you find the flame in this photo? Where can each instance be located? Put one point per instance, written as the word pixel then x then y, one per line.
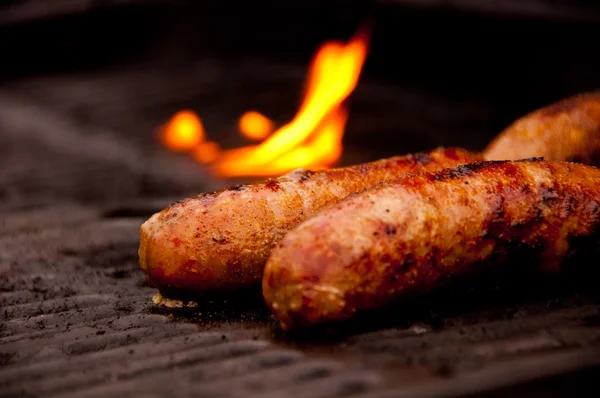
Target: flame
pixel 313 139
pixel 206 152
pixel 255 126
pixel 183 132
pixel 333 75
pixel 320 152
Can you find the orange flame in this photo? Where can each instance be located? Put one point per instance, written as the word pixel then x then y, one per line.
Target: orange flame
pixel 206 152
pixel 321 151
pixel 183 132
pixel 255 126
pixel 313 139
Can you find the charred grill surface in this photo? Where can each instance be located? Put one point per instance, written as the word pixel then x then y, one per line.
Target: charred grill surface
pixel 77 320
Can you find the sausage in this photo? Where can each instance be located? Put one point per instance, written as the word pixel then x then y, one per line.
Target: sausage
pixel 220 241
pixel 568 130
pixel 415 234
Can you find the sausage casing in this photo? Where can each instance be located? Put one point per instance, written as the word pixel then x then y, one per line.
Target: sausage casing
pixel 220 241
pixel 568 130
pixel 412 235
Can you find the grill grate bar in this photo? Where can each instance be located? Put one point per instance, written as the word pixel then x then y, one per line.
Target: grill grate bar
pixel 85 339
pixel 500 373
pixel 337 385
pixel 480 332
pixel 55 306
pixel 150 381
pixel 39 371
pixel 25 328
pixel 270 379
pixel 56 322
pixel 143 370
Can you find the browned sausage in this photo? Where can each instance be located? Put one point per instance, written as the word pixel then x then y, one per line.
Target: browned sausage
pixel 221 240
pixel 567 130
pixel 412 235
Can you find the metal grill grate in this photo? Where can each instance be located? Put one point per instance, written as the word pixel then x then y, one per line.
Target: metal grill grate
pixel 78 321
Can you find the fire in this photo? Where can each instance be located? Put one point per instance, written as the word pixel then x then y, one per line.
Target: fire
pixel 183 132
pixel 255 126
pixel 206 152
pixel 313 139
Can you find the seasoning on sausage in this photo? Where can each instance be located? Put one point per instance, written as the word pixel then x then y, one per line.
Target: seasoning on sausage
pixel 410 236
pixel 220 241
pixel 568 130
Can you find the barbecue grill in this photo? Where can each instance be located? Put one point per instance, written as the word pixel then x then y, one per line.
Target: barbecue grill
pixel 85 85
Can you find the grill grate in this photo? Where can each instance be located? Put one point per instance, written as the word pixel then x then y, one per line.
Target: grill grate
pixel 78 321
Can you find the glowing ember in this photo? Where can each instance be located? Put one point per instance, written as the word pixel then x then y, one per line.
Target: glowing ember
pixel 255 126
pixel 206 152
pixel 183 132
pixel 313 139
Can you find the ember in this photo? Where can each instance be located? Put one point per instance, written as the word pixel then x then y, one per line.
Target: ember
pixel 183 132
pixel 313 139
pixel 255 126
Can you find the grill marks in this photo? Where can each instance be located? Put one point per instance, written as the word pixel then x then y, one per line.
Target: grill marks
pixel 422 158
pixel 272 185
pixel 508 169
pixel 247 225
pixel 300 175
pixel 501 226
pixel 474 228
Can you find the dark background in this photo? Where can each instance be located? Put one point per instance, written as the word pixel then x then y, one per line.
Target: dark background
pixel 438 73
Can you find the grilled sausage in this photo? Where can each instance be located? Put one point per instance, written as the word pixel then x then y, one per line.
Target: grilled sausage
pixel 220 241
pixel 410 236
pixel 568 130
